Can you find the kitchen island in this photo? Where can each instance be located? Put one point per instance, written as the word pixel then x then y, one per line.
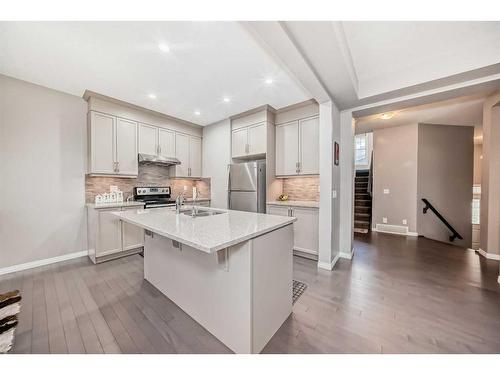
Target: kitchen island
pixel 229 270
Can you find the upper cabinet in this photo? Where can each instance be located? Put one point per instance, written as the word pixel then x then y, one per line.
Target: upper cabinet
pixel 249 141
pixel 156 141
pixel 112 145
pixel 297 145
pixel 188 151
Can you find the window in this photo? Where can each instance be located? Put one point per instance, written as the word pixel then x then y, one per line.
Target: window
pixel 360 149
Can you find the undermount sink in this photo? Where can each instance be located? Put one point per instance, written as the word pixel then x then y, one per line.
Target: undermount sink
pixel 200 212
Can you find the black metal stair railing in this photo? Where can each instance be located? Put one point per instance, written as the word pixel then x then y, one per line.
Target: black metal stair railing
pixel 428 206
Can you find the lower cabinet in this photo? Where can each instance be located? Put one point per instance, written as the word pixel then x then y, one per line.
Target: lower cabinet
pixel 109 237
pixel 305 229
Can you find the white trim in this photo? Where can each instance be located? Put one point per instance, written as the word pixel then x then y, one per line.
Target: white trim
pixel 347 255
pixel 329 266
pixel 488 255
pixel 411 234
pixel 42 262
pixel 498 280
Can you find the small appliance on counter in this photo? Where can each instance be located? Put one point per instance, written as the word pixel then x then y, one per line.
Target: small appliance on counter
pixel 154 197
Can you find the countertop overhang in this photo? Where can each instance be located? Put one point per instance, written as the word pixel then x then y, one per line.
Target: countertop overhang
pixel 209 233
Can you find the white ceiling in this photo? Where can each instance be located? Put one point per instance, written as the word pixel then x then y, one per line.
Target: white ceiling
pixel 464 111
pixel 358 63
pixel 391 55
pixel 207 61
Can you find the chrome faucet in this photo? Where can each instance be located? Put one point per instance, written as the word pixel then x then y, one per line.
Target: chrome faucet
pixel 194 210
pixel 179 201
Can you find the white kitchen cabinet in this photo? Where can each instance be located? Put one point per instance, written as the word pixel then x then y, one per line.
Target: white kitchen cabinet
pixel 305 229
pixel 297 145
pixel 278 210
pixel 126 147
pixel 113 146
pixel 132 235
pixel 188 151
pixel 287 148
pixel 148 139
pixel 249 142
pixel 166 143
pixel 194 157
pixel 109 237
pixel 239 142
pixel 309 146
pixel 102 143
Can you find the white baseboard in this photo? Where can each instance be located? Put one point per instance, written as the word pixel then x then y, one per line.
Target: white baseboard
pixel 42 262
pixel 346 255
pixel 328 266
pixel 488 255
pixel 407 233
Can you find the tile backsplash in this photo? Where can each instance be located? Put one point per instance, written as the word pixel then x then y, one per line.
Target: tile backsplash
pixel 149 175
pixel 301 188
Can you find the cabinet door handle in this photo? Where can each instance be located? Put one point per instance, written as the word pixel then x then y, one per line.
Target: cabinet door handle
pixel 118 166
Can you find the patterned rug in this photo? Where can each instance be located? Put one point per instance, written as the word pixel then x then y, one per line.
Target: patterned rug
pixel 298 289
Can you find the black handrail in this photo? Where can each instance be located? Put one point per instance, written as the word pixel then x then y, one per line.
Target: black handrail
pixel 440 217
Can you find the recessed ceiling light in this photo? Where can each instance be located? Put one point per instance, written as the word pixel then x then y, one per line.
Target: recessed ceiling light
pixel 163 47
pixel 197 113
pixel 387 116
pixel 226 99
pixel 268 81
pixel 152 96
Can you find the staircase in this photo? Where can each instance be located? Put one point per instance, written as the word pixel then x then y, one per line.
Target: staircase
pixel 362 202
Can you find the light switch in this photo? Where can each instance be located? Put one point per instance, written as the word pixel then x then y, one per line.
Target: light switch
pixel 405 222
pixel 386 191
pixel 384 220
pixel 334 194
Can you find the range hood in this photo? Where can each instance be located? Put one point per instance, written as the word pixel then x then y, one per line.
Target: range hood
pixel 159 160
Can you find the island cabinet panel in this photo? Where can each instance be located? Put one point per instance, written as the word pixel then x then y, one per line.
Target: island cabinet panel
pixel 241 294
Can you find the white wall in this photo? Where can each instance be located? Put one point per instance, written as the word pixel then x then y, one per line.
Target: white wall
pixel 42 164
pixel 216 157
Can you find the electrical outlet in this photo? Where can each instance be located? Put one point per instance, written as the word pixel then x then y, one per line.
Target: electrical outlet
pixel 384 220
pixel 185 188
pixel 405 222
pixel 386 191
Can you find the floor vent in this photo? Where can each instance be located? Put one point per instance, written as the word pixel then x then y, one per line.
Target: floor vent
pixel 298 289
pixel 396 229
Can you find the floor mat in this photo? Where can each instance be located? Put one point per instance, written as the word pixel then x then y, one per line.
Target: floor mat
pixel 298 289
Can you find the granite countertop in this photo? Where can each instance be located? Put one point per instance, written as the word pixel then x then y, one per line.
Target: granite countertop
pixel 311 204
pixel 206 233
pixel 116 205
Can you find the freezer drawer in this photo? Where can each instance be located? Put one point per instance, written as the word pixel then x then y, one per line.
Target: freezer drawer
pixel 243 201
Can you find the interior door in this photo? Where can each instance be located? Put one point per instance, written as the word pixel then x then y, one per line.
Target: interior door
pixel 182 153
pixel 102 138
pixel 257 140
pixel 287 148
pixel 148 139
pixel 239 142
pixel 309 146
pixel 126 147
pixel 195 156
pixel 166 143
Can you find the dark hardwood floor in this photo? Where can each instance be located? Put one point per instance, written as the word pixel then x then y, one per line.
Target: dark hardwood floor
pixel 398 295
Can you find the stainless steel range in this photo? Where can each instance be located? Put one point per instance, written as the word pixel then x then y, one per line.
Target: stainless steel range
pixel 154 197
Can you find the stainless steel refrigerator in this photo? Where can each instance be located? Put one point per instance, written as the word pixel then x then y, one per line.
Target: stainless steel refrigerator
pixel 247 186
